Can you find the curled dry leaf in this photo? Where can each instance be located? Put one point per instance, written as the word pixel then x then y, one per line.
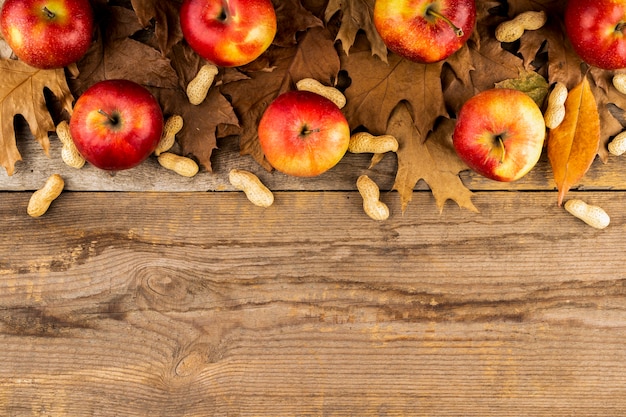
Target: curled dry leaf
pixel 572 146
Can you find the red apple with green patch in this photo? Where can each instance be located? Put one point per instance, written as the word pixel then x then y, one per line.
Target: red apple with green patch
pixel 116 124
pixel 303 134
pixel 47 34
pixel 597 31
pixel 424 31
pixel 228 33
pixel 500 133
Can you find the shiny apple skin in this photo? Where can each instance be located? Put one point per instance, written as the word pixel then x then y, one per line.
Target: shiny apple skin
pixel 590 27
pixel 516 118
pixel 44 42
pixel 228 34
pixel 293 152
pixel 116 146
pixel 407 30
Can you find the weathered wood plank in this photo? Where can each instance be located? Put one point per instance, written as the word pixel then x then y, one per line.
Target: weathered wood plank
pixel 32 172
pixel 200 304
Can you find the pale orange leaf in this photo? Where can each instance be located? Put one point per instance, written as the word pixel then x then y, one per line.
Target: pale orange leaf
pixel 573 145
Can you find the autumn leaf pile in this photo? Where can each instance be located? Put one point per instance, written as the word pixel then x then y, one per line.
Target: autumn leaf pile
pixel 335 42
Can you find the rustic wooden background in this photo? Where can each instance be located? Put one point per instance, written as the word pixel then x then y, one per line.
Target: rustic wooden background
pixel 148 294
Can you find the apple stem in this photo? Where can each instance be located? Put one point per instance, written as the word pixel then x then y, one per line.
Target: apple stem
pixel 620 27
pixel 306 131
pixel 457 30
pixel 111 118
pixel 502 149
pixel 50 14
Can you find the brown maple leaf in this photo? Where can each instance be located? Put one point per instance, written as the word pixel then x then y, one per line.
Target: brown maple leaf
pixel 376 88
pixel 165 15
pixel 434 161
pixel 22 92
pixel 356 15
pixel 314 56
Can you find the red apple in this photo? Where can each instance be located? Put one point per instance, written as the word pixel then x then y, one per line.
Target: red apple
pixel 47 33
pixel 597 31
pixel 499 134
pixel 303 134
pixel 228 33
pixel 424 31
pixel 116 124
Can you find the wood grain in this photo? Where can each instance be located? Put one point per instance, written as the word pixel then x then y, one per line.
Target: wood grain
pixel 200 304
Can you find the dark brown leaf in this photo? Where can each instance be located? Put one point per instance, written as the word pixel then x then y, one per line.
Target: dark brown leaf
pixel 292 18
pixel 165 15
pixel 115 55
pixel 198 138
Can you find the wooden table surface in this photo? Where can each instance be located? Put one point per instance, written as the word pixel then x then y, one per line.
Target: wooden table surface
pixel 149 294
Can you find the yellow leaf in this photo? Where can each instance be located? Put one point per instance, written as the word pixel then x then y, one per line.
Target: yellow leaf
pixel 22 92
pixel 573 145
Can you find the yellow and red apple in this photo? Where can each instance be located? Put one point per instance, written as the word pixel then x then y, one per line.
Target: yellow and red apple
pixel 499 133
pixel 47 33
pixel 424 31
pixel 228 33
pixel 597 31
pixel 116 124
pixel 303 134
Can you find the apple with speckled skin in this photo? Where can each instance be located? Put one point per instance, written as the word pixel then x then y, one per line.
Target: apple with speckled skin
pixel 303 134
pixel 228 33
pixel 116 124
pixel 597 31
pixel 424 31
pixel 47 34
pixel 499 133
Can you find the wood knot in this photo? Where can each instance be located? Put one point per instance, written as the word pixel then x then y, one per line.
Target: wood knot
pixel 190 364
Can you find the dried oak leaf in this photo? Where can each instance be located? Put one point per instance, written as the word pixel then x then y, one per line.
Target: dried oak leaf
pixel 434 161
pixel 314 56
pixel 165 15
pixel 356 15
pixel 573 145
pixel 22 92
pixel 376 89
